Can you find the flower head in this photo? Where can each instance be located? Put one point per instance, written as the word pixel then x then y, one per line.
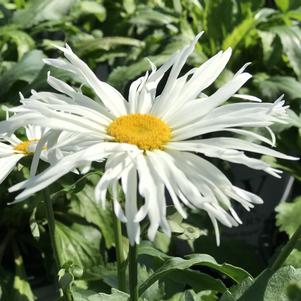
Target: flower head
pixel 13 149
pixel 154 142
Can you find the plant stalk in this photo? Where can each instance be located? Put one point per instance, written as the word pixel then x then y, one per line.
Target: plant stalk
pixel 286 250
pixel 133 271
pixel 119 254
pixel 51 227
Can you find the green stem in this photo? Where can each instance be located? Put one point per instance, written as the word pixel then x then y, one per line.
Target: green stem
pixel 119 254
pixel 133 269
pixel 286 250
pixel 51 227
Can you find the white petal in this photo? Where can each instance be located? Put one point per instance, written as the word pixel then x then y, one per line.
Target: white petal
pixel 201 108
pixel 129 186
pixel 116 205
pixel 164 175
pixel 179 62
pixel 8 164
pixel 110 97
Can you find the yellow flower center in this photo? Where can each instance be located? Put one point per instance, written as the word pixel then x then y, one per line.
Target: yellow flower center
pixel 26 147
pixel 146 131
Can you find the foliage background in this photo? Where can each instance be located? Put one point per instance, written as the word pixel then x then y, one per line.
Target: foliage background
pixel 114 38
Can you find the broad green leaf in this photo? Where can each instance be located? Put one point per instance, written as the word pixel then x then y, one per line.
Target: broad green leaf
pixel 271 46
pixel 239 33
pixel 270 286
pixel 162 242
pixel 83 204
pixel 129 6
pixel 290 37
pixel 288 220
pixel 218 21
pixel 235 273
pixel 190 295
pixel 198 281
pixel 42 10
pixel 73 246
pixel 91 44
pixel 154 292
pixel 89 8
pixel 146 248
pixel 279 283
pixel 25 70
pixel 294 258
pixel 23 41
pixel 238 290
pixel 294 4
pixel 146 16
pixel 176 263
pixel 86 295
pixel 294 291
pixel 294 14
pixel 288 216
pixel 283 4
pixel 107 274
pixel 22 290
pixel 118 75
pixel 271 87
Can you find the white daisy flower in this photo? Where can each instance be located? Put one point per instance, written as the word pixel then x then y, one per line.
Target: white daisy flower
pixel 13 149
pixel 152 141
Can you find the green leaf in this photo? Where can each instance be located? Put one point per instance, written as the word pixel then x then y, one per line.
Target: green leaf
pixel 271 46
pixel 146 248
pixel 269 286
pixel 197 281
pixel 294 14
pixel 154 292
pixel 288 216
pixel 294 291
pixel 86 295
pixel 238 290
pixel 23 41
pixel 83 204
pixel 279 283
pixel 25 70
pixel 190 295
pixel 239 33
pixel 176 263
pixel 104 275
pixel 235 273
pixel 41 10
pixel 22 290
pixel 283 4
pixel 129 6
pixel 91 44
pixel 288 220
pixel 222 11
pixel 118 75
pixel 146 16
pixel 271 87
pixel 89 8
pixel 74 246
pixel 290 37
